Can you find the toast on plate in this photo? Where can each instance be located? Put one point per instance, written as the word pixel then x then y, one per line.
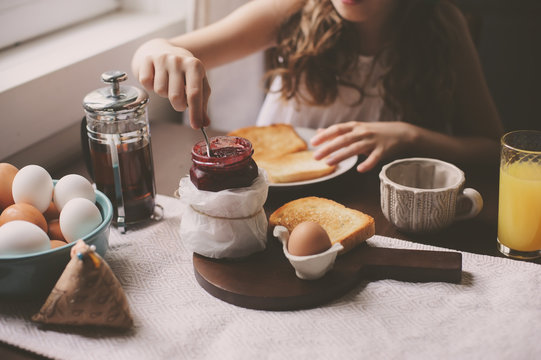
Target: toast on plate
pixel 348 226
pixel 271 141
pixel 297 166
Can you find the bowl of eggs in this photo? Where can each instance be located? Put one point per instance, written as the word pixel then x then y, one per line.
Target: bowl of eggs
pixel 40 220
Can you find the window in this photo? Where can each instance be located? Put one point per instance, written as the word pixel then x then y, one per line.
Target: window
pixel 27 19
pixel 44 79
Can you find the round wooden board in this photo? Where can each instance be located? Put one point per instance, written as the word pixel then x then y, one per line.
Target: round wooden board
pixel 267 281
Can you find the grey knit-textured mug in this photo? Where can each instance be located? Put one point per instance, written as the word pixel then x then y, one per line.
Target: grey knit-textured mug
pixel 421 195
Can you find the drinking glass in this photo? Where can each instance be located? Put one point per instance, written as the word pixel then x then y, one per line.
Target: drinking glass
pixel 519 215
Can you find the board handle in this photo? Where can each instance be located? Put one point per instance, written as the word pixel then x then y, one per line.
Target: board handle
pixel 410 265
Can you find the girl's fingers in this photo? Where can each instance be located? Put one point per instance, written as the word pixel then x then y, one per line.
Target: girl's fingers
pixel 206 95
pixel 346 152
pixel 195 75
pixel 146 75
pixel 161 81
pixel 182 80
pixel 330 133
pixel 335 144
pixel 176 95
pixel 338 156
pixel 359 147
pixel 370 162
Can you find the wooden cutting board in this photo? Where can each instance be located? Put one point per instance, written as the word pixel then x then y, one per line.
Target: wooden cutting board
pixel 267 281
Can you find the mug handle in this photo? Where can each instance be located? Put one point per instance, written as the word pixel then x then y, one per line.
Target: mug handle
pixel 474 197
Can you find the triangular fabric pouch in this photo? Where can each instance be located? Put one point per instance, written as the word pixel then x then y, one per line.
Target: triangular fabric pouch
pixel 87 293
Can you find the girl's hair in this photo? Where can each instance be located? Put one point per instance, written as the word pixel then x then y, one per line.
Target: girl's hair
pixel 318 48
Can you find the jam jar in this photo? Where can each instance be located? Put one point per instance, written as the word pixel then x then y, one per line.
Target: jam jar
pixel 230 166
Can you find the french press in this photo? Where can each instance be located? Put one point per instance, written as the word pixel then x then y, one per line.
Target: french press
pixel 119 148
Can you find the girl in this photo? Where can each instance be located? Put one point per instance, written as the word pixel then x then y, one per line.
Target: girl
pixel 379 78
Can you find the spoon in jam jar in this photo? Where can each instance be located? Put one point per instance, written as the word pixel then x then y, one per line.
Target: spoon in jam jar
pixel 209 153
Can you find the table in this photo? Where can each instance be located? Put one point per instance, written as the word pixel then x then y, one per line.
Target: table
pixel 171 147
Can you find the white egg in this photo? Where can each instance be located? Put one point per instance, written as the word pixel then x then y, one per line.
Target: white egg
pixel 21 237
pixel 33 185
pixel 70 187
pixel 78 218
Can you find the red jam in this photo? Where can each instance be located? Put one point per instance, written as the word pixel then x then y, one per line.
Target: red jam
pixel 230 166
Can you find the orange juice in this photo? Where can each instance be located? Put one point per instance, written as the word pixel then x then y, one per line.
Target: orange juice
pixel 519 219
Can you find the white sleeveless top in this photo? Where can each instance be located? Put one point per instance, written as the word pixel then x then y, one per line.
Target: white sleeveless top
pixel 345 107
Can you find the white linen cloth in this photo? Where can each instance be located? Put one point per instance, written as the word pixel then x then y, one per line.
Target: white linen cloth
pixel 493 313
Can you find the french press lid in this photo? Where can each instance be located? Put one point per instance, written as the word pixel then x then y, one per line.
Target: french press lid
pixel 115 98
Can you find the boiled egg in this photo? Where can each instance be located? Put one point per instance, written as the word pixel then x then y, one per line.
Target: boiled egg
pixel 24 212
pixel 70 187
pixel 308 238
pixel 20 237
pixel 78 218
pixel 33 185
pixel 7 173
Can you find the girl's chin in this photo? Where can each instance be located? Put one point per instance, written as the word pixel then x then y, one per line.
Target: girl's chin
pixel 353 10
pixel 350 2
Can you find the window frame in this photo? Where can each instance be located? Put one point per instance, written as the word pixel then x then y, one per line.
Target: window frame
pixel 45 79
pixel 45 16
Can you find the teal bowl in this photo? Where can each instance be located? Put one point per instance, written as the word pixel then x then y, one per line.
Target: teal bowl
pixel 34 275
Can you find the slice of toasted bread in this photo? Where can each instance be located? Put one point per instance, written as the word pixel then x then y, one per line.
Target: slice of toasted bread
pixel 348 226
pixel 271 141
pixel 297 166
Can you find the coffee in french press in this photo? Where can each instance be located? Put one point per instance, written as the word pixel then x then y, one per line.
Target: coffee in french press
pixel 120 150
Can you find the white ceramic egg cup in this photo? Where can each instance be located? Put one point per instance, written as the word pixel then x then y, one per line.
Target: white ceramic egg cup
pixel 310 267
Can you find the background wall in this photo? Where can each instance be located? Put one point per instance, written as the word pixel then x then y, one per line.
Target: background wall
pixel 43 81
pixel 509 45
pixel 510 51
pixel 509 48
pixel 237 93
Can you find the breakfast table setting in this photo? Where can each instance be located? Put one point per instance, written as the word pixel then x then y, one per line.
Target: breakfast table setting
pixel 407 290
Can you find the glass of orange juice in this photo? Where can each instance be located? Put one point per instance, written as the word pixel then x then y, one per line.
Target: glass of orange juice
pixel 519 215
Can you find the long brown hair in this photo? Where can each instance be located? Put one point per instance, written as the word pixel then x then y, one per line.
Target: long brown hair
pixel 318 48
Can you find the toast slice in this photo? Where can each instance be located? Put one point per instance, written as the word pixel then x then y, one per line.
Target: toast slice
pixel 297 166
pixel 271 141
pixel 348 226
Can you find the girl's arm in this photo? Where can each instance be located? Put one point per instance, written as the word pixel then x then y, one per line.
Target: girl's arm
pixel 175 68
pixel 477 126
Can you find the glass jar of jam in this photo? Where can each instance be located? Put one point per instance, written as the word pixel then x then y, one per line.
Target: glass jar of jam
pixel 230 166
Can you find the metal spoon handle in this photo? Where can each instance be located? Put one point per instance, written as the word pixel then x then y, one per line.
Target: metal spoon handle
pixel 206 141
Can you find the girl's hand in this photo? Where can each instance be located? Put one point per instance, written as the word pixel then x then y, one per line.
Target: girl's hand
pixel 173 72
pixel 376 140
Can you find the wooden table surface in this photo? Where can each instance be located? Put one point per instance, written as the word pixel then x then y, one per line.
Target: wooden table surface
pixel 172 143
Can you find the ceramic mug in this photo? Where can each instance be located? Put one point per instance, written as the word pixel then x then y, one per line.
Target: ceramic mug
pixel 420 195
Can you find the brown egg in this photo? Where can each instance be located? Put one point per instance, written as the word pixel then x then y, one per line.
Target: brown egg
pixel 308 238
pixel 7 173
pixel 24 212
pixel 54 230
pixel 57 243
pixel 51 213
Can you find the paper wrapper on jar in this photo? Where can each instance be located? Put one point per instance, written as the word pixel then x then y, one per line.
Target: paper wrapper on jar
pixel 87 293
pixel 224 224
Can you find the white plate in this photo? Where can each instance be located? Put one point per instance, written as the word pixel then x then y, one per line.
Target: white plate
pixel 306 134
